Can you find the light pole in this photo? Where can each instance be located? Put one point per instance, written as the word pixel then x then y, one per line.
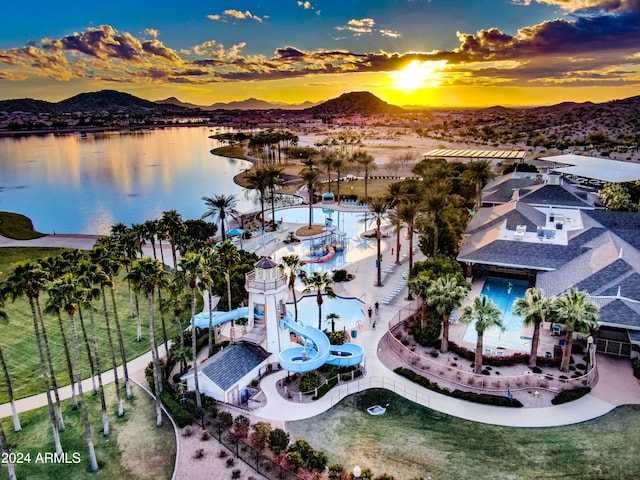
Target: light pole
pixel 589 348
pixel 357 471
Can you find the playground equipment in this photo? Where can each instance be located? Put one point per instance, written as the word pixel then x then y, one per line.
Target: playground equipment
pixel 331 251
pixel 218 318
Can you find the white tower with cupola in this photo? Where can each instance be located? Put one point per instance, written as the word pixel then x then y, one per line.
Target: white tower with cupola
pixel 267 288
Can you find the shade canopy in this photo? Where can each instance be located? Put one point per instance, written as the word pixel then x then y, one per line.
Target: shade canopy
pixel 603 169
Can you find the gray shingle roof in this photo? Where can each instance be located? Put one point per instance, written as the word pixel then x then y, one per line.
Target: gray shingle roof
pixel 619 312
pixel 624 224
pixel 232 363
pixel 554 195
pixel 596 284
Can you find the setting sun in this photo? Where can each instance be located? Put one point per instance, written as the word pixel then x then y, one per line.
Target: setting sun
pixel 417 75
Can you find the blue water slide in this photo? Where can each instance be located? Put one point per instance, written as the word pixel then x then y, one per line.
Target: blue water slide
pixel 218 318
pixel 316 350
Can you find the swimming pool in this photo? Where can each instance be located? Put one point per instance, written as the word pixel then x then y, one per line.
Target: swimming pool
pixel 349 310
pixel 351 224
pixel 503 292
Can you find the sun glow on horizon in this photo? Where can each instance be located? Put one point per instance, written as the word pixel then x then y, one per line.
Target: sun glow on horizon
pixel 417 75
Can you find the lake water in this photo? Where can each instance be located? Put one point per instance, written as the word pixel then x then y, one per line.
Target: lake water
pixel 85 184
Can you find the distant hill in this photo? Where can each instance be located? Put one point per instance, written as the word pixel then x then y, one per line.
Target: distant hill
pixel 104 100
pixel 248 104
pixel 355 103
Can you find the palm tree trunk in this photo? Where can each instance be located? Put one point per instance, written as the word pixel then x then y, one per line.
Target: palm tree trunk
pixel 566 353
pixel 423 315
pixel 83 406
pixel 227 277
pixel 67 356
pixel 210 322
pixel 96 353
pixel 444 345
pixel 295 303
pixel 311 196
pixel 379 261
pixel 112 350
pixel 478 360
pixel 47 356
pixel 164 325
pixel 319 300
pixel 45 381
pixel 92 370
pixel 397 245
pixel 5 452
pixel 410 232
pixel 138 319
pixel 194 347
pixel 7 380
pixel 436 234
pixel 533 357
pixel 157 378
pixel 123 355
pixel 180 330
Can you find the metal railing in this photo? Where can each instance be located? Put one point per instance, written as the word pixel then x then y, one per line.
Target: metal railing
pixel 251 282
pixel 449 372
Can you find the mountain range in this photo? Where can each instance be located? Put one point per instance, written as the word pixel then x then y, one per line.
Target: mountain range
pixel 248 104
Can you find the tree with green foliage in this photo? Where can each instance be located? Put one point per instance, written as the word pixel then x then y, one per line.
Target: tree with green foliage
pixel 616 197
pixel 367 163
pixel 4 319
pixel 577 314
pixel 486 315
pixel 28 279
pixel 221 206
pixel 311 178
pixel 534 308
pixel 241 426
pixel 378 207
pixel 479 172
pixel 320 282
pixel 257 179
pixel 148 275
pixel 278 440
pixel 68 294
pixel 192 268
pixel 446 294
pixel 260 435
pixel 293 265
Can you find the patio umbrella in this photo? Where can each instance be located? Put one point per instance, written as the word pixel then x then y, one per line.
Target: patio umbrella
pixel 236 232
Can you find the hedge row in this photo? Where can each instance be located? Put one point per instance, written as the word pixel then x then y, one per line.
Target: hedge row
pixel 179 414
pixel 483 398
pixel 570 395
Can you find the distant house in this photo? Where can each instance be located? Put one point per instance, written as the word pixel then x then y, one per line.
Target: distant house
pixel 558 241
pixel 226 375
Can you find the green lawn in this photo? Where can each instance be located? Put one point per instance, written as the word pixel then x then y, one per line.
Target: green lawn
pixel 136 449
pixel 410 440
pixel 18 227
pixel 20 349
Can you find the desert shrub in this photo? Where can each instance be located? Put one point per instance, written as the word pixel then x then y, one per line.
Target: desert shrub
pixel 236 473
pixel 226 419
pixel 205 436
pixel 310 381
pixel 187 432
pixel 340 276
pixel 230 462
pixel 222 453
pixel 260 434
pixel 241 426
pixel 570 395
pixel 278 440
pixel 199 453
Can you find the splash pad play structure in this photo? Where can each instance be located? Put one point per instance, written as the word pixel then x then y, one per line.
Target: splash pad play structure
pixel 300 348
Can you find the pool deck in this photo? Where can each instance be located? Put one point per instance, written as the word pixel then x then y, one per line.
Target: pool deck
pixel 616 386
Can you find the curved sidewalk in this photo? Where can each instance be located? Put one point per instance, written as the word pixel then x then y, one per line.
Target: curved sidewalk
pixel 379 376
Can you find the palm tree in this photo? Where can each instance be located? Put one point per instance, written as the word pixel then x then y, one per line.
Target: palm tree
pixel 176 289
pixel 192 268
pixel 534 308
pixel 148 275
pixel 211 267
pixel 418 285
pixel 368 164
pixel 311 178
pixel 68 292
pixel 91 277
pixel 479 172
pixel 293 264
pixel 174 228
pixel 221 206
pixel 578 315
pixel 333 317
pixel 320 283
pixel 7 379
pixel 6 451
pixel 228 256
pixel 441 207
pixel 274 180
pixel 410 213
pixel 378 207
pixel 28 279
pixel 486 315
pixel 446 294
pixel 109 260
pixel 256 179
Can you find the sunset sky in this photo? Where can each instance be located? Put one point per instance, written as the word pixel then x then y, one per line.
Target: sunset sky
pixel 407 52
